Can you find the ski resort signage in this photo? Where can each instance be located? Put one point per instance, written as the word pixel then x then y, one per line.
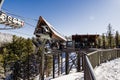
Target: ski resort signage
pixel 10 21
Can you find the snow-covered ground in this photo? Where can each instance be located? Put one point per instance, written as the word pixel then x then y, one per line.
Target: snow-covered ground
pixel 106 71
pixel 4 37
pixel 109 70
pixel 72 76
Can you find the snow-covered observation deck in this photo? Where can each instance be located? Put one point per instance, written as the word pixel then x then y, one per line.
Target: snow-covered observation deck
pixel 105 64
pixel 106 71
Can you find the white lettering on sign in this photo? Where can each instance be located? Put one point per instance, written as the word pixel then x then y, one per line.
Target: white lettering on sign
pixel 10 21
pixel 3 18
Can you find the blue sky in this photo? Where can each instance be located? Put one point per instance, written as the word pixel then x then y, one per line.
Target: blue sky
pixel 67 16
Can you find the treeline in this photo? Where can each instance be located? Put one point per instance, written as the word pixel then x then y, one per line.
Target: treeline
pixel 110 39
pixel 20 60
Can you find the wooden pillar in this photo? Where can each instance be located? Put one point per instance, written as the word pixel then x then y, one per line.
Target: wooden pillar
pixel 78 61
pixel 53 65
pixel 61 64
pixel 46 65
pixel 42 66
pixel 86 75
pixel 58 64
pixel 42 59
pixel 82 60
pixel 67 63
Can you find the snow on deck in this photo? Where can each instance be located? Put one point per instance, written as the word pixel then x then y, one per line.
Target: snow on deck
pixel 109 70
pixel 72 76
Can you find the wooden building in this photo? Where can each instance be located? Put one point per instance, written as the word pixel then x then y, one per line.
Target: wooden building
pixel 85 41
pixel 43 27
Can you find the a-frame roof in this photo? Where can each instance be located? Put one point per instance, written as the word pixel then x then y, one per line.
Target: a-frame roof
pixel 55 34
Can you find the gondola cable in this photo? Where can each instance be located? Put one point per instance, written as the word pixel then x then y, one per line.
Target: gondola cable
pixel 8 12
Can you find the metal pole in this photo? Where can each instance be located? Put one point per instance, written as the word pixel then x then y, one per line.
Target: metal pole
pixel 1 3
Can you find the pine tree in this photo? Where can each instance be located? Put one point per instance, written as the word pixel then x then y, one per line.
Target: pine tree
pixel 99 42
pixel 110 36
pixel 117 39
pixel 16 55
pixel 103 41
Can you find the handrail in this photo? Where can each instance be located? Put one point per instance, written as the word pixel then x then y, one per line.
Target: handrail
pixel 88 71
pixel 92 53
pixel 95 58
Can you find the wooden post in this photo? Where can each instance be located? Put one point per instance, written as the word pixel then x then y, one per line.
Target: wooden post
pixel 58 64
pixel 61 64
pixel 41 77
pixel 46 65
pixel 86 75
pixel 82 61
pixel 42 66
pixel 53 65
pixel 28 68
pixel 78 61
pixel 67 63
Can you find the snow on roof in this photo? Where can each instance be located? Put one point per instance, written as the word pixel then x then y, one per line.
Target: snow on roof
pixel 54 31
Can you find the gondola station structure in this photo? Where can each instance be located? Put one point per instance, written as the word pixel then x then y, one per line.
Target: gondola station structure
pixel 45 30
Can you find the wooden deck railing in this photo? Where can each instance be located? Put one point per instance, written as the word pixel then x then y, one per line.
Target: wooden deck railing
pixel 88 69
pixel 95 58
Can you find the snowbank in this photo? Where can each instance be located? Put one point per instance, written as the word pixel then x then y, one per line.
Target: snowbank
pixel 72 76
pixel 109 70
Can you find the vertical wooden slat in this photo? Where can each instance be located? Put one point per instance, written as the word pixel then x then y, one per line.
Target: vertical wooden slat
pixel 67 63
pixel 61 64
pixel 53 65
pixel 82 61
pixel 78 61
pixel 42 66
pixel 58 64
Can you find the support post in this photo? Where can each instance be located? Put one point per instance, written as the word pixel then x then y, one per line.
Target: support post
pixel 82 61
pixel 61 64
pixel 78 61
pixel 53 65
pixel 67 63
pixel 58 64
pixel 42 67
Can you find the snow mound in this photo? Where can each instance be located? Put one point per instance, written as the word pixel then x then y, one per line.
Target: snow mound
pixel 72 76
pixel 4 37
pixel 109 70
